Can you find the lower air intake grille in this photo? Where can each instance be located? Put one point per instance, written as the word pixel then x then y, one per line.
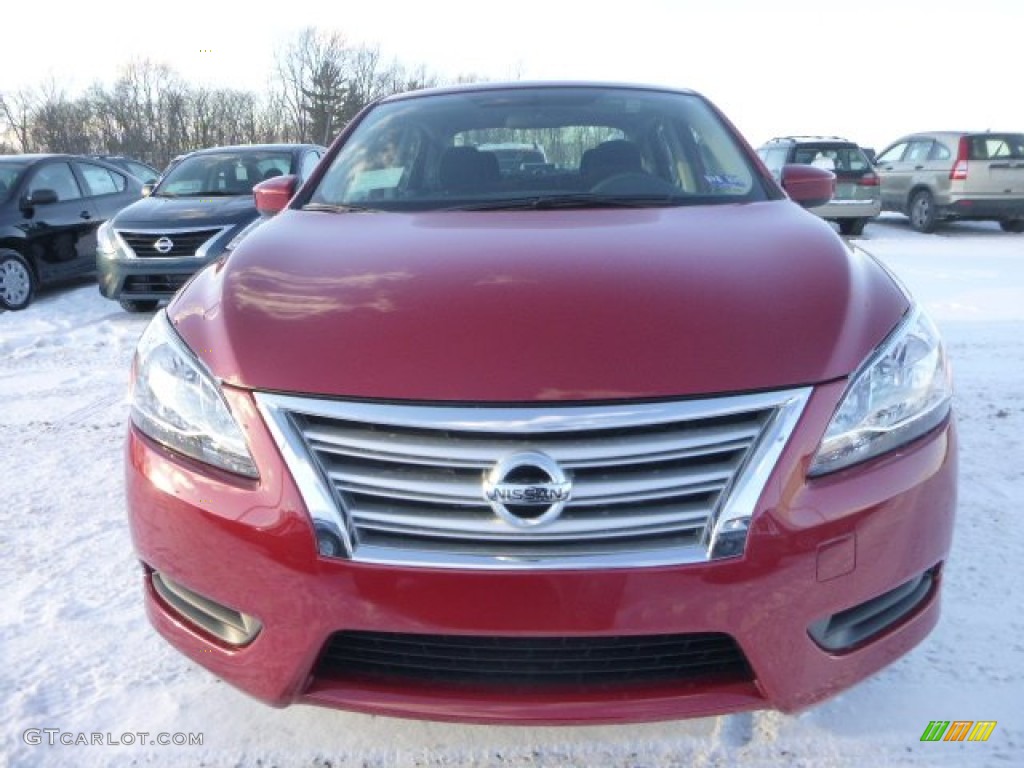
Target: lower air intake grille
pixel 149 284
pixel 533 662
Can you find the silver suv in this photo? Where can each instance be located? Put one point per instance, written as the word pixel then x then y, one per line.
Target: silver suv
pixel 856 200
pixel 950 175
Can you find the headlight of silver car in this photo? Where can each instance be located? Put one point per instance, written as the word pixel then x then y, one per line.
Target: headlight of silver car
pixel 177 402
pixel 903 390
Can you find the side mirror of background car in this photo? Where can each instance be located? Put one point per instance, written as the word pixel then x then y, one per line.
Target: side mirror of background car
pixel 39 197
pixel 147 189
pixel 273 194
pixel 807 185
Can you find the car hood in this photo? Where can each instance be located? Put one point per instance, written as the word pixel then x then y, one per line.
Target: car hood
pixel 178 212
pixel 520 306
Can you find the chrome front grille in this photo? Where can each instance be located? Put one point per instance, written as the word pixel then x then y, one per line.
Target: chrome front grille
pixel 175 242
pixel 651 482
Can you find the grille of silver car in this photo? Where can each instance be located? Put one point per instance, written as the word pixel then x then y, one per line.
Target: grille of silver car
pixel 404 484
pixel 182 242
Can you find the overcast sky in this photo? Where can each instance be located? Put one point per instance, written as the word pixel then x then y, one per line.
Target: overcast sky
pixel 867 69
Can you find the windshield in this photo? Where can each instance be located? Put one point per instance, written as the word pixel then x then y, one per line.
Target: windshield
pixel 222 174
pixel 539 147
pixel 10 174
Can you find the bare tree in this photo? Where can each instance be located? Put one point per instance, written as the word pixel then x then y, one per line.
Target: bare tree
pixel 323 82
pixel 311 76
pixel 149 112
pixel 57 125
pixel 18 112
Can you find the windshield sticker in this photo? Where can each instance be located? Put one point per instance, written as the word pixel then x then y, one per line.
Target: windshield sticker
pixel 725 181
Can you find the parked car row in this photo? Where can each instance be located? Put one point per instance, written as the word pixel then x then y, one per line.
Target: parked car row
pixel 65 216
pixel 929 177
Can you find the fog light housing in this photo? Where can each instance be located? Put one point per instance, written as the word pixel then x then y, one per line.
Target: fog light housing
pixel 228 625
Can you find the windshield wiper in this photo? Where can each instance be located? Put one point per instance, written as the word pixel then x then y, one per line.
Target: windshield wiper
pixel 576 200
pixel 329 208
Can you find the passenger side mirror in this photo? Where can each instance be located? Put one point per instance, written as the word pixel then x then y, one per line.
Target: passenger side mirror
pixel 147 189
pixel 272 195
pixel 807 185
pixel 39 197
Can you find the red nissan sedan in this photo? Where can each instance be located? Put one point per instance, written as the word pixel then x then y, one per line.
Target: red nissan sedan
pixel 622 434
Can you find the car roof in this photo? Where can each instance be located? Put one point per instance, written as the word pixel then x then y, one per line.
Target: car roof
pixel 947 135
pixel 529 84
pixel 36 157
pixel 810 140
pixel 241 148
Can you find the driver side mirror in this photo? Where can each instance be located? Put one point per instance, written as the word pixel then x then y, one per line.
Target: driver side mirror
pixel 147 188
pixel 272 195
pixel 807 185
pixel 38 197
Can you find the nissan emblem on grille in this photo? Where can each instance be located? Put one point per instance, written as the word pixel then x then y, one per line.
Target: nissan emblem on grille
pixel 517 491
pixel 164 245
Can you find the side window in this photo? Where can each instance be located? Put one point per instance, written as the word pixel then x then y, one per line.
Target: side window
pixel 893 154
pixel 774 159
pixel 59 178
pixel 939 152
pixel 309 161
pixel 142 173
pixel 100 181
pixel 919 150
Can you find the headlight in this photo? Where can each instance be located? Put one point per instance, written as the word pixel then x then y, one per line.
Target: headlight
pixel 176 401
pixel 246 230
pixel 901 392
pixel 108 242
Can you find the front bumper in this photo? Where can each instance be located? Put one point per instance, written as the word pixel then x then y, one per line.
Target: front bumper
pixel 145 278
pixel 816 549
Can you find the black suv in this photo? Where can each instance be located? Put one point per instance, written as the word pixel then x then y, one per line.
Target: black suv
pixel 857 199
pixel 50 209
pixel 198 210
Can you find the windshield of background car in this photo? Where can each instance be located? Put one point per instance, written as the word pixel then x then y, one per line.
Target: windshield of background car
pixel 222 174
pixel 599 145
pixel 10 173
pixel 995 146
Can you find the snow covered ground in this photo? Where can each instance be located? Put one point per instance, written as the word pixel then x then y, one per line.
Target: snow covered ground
pixel 78 655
